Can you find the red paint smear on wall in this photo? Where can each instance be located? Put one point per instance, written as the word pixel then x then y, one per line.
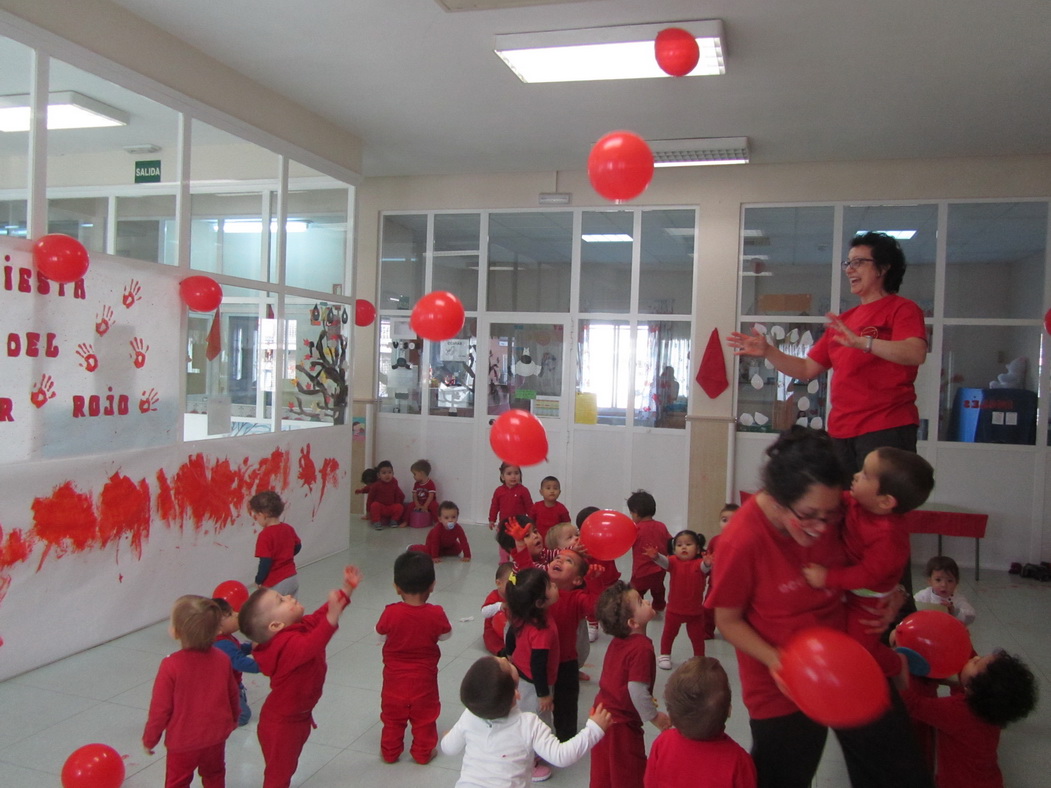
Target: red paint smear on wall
pixel 329 475
pixel 165 498
pixel 208 493
pixel 15 548
pixel 307 469
pixel 271 473
pixel 65 521
pixel 124 510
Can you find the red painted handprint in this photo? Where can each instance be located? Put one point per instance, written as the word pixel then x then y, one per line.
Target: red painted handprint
pixel 103 320
pixel 132 293
pixel 139 349
pixel 88 359
pixel 42 391
pixel 149 401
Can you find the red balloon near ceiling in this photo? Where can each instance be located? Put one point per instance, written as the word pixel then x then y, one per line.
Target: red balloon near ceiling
pixel 201 293
pixel 233 591
pixel 607 534
pixel 93 766
pixel 364 312
pixel 939 638
pixel 620 166
pixel 437 316
pixel 518 438
pixel 676 51
pixel 833 678
pixel 60 258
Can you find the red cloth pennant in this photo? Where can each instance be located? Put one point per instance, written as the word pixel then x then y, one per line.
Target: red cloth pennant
pixel 215 340
pixel 712 374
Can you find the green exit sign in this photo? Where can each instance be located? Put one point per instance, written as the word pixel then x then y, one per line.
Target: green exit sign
pixel 148 171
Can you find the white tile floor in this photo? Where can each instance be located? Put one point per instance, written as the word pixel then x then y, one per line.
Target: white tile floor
pixel 102 695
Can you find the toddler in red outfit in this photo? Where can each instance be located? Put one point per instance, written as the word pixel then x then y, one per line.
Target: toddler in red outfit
pixel 388 501
pixel 608 575
pixel 494 613
pixel 548 512
pixel 645 574
pixel 411 630
pixel 446 537
pixel 424 491
pixel 276 546
pixel 195 699
pixel 686 594
pixel 510 499
pixel 709 561
pixel 290 649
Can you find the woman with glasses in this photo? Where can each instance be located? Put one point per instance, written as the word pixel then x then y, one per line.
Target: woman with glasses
pixel 874 348
pixel 761 599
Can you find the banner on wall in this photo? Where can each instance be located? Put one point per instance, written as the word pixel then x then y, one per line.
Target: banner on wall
pixel 91 366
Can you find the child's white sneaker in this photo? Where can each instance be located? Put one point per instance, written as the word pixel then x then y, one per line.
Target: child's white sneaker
pixel 664 662
pixel 541 772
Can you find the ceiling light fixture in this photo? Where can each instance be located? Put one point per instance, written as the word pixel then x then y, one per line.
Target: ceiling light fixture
pixel 606 238
pixel 596 53
pixel 900 235
pixel 699 151
pixel 65 110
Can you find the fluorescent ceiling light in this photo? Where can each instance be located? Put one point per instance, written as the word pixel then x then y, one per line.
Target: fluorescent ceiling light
pixel 901 235
pixel 596 53
pixel 255 226
pixel 65 110
pixel 606 238
pixel 699 151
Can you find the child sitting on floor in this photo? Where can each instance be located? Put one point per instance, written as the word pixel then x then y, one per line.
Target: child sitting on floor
pixel 943 575
pixel 446 537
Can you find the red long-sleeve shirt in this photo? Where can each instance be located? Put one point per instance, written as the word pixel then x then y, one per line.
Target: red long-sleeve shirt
pixel 195 701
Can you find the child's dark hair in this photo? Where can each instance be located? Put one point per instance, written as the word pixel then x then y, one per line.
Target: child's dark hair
pixel 504 539
pixel 942 563
pixel 906 476
pixel 523 590
pixel 584 514
pixel 1004 692
pixel 268 503
pixel 613 611
pixel 448 506
pixel 799 458
pixel 384 464
pixel 250 617
pixel 488 689
pixel 413 572
pixel 698 539
pixel 195 621
pixel 224 607
pixel 503 570
pixel 421 465
pixel 730 507
pixel 369 476
pixel 698 698
pixel 550 479
pixel 505 465
pixel 641 503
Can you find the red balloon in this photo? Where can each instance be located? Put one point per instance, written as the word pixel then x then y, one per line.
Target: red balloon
pixel 939 638
pixel 608 534
pixel 233 591
pixel 676 51
pixel 201 293
pixel 620 165
pixel 93 766
pixel 364 312
pixel 61 258
pixel 518 437
pixel 833 679
pixel 1047 321
pixel 437 316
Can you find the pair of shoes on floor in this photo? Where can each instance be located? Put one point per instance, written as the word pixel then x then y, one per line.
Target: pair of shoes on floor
pixel 592 632
pixel 541 772
pixel 378 525
pixel 664 662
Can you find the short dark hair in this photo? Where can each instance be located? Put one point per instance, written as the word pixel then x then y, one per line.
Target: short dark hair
pixel 413 572
pixel 942 563
pixel 504 539
pixel 799 458
pixel 906 476
pixel 613 611
pixel 488 689
pixel 195 621
pixel 250 617
pixel 641 503
pixel 584 514
pixel 369 475
pixel 697 538
pixel 421 465
pixel 448 506
pixel 1004 692
pixel 384 464
pixel 698 698
pixel 524 589
pixel 888 256
pixel 503 570
pixel 730 507
pixel 224 607
pixel 266 502
pixel 550 479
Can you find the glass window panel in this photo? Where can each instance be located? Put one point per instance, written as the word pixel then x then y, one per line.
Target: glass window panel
pixel 920 250
pixel 995 259
pixel 457 232
pixel 14 147
pixel 316 239
pixel 530 257
pixel 525 367
pixel 400 355
pixel 768 401
pixel 83 218
pixel 314 363
pixel 666 262
pixel 786 259
pixel 457 273
pixel 662 374
pixel 605 260
pixel 604 373
pixel 403 248
pixel 146 228
pixel 453 371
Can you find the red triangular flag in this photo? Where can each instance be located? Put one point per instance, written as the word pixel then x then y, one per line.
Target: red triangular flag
pixel 712 374
pixel 215 340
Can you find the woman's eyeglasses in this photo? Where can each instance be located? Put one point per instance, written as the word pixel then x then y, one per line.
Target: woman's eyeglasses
pixel 830 519
pixel 855 263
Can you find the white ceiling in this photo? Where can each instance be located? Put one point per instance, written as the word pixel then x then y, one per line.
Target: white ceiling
pixel 807 80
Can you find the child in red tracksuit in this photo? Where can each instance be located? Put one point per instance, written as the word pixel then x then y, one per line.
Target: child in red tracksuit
pixel 521 542
pixel 411 630
pixel 645 574
pixel 446 537
pixel 548 512
pixel 686 593
pixel 290 649
pixel 709 560
pixel 424 491
pixel 388 501
pixel 195 699
pixel 493 611
pixel 608 575
pixel 510 499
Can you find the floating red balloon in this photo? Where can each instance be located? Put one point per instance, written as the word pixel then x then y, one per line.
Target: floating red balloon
pixel 437 316
pixel 93 766
pixel 364 312
pixel 939 638
pixel 620 165
pixel 233 591
pixel 61 258
pixel 607 534
pixel 676 51
pixel 833 679
pixel 201 293
pixel 518 437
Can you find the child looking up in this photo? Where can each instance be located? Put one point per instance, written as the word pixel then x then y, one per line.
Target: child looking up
pixel 686 593
pixel 625 689
pixel 519 539
pixel 276 546
pixel 548 511
pixel 606 572
pixel 943 575
pixel 446 537
pixel 696 752
pixel 646 575
pixel 709 561
pixel 388 501
pixel 195 701
pixel 511 497
pixel 290 649
pixel 411 630
pixel 424 493
pixel 240 655
pixel 493 611
pixel 500 742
